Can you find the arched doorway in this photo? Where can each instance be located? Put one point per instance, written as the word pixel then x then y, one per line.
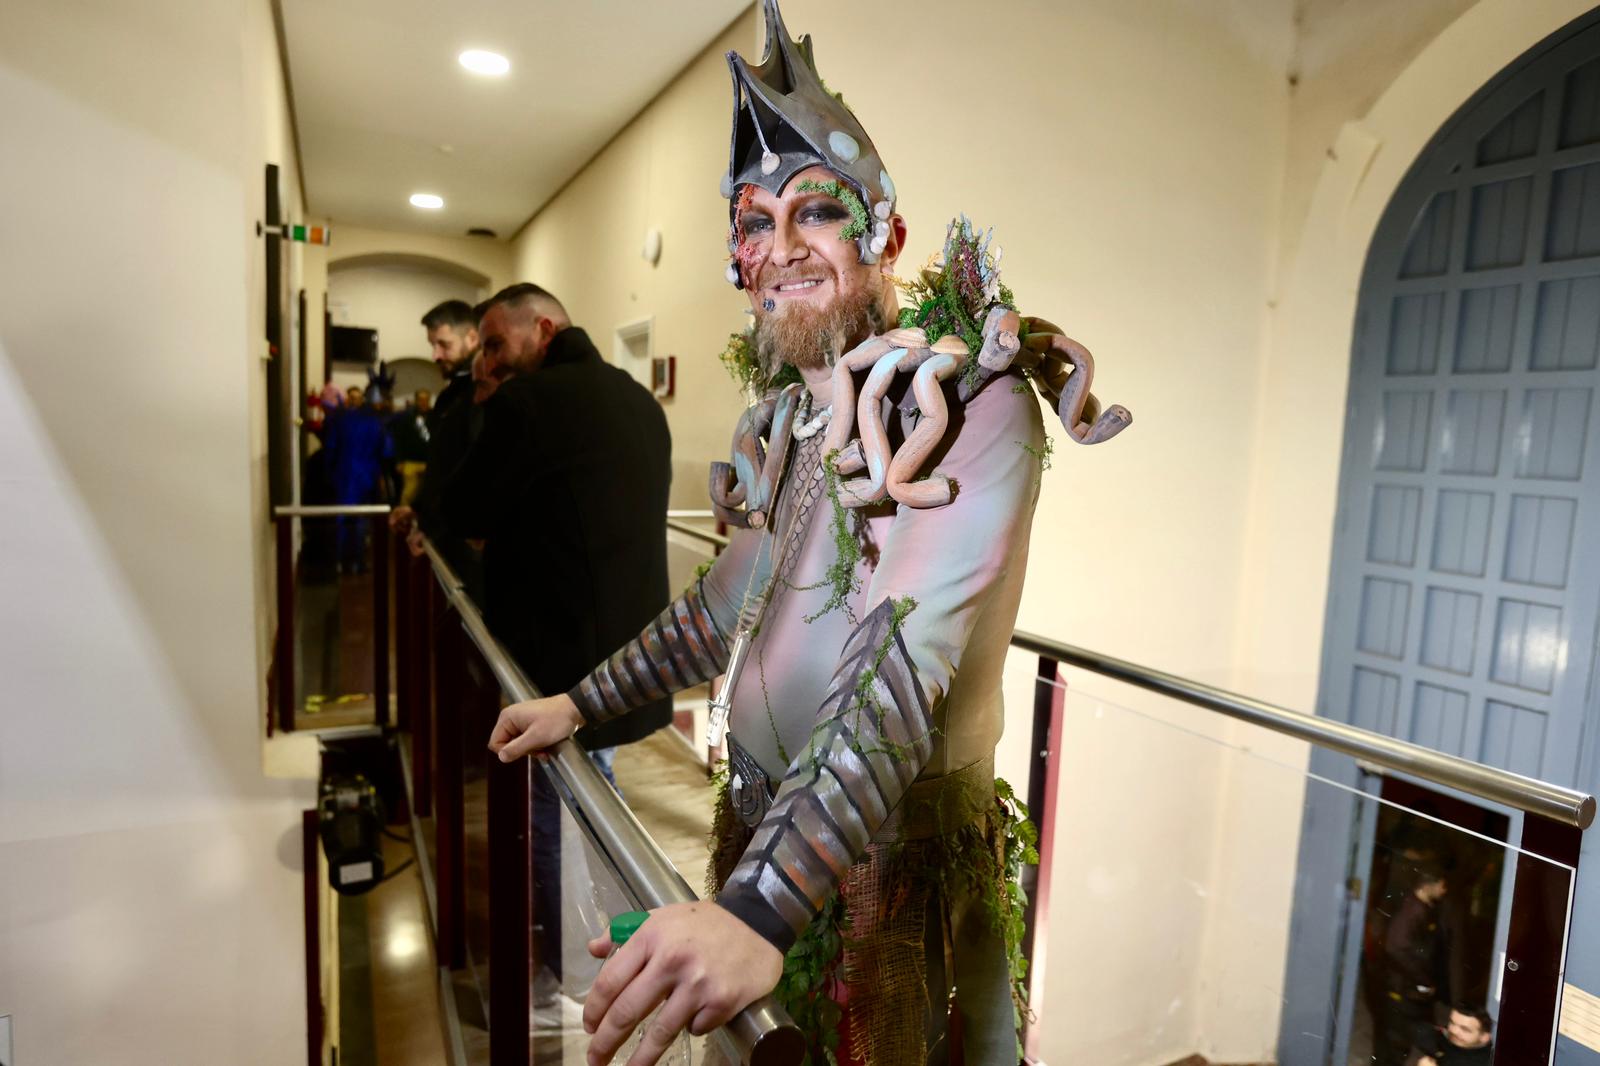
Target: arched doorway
pixel 1463 609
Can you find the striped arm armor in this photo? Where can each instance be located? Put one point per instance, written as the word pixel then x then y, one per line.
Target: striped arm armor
pixel 680 649
pixel 873 736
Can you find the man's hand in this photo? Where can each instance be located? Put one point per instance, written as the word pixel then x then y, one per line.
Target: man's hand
pixel 702 962
pixel 1426 1060
pixel 414 543
pixel 402 519
pixel 534 725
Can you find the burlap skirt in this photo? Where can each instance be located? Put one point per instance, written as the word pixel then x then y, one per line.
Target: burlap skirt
pixel 921 973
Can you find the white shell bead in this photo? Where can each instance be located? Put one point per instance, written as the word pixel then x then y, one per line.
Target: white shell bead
pixel 844 146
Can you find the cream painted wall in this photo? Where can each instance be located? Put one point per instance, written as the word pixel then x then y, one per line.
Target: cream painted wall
pixel 392 298
pixel 484 256
pixel 149 871
pixel 586 247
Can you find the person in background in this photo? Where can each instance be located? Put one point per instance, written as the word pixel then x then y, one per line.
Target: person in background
pixel 1468 1040
pixel 358 450
pixel 1416 953
pixel 452 423
pixel 409 430
pixel 567 486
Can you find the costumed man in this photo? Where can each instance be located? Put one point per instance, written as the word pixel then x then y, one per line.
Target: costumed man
pixel 882 485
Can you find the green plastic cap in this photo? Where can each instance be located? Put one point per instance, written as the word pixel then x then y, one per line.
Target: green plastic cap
pixel 623 926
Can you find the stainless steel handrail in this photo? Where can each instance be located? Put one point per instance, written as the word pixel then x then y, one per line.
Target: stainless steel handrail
pixel 1555 802
pixel 762 1034
pixel 329 510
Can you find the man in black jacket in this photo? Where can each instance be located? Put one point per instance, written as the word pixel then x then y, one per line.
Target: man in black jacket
pixel 567 485
pixel 452 424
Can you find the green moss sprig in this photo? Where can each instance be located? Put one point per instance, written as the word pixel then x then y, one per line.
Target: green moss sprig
pixel 953 295
pixel 843 577
pixel 809 971
pixel 860 221
pixel 744 366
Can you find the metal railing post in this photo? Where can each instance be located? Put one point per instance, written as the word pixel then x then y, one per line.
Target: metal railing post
pixel 1536 941
pixel 404 636
pixel 381 711
pixel 449 812
pixel 510 910
pixel 422 726
pixel 284 656
pixel 1044 786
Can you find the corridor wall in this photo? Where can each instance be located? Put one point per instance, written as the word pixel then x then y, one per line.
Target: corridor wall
pixel 150 890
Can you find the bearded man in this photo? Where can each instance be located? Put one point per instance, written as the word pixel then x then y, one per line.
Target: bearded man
pixel 452 425
pixel 860 623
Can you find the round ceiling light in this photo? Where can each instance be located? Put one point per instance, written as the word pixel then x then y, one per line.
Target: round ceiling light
pixel 489 64
pixel 427 200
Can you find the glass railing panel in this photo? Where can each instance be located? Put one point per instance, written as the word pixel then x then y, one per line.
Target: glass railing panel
pixel 1219 890
pixel 335 621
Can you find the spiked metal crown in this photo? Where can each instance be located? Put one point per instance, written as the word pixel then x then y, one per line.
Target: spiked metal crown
pixel 785 120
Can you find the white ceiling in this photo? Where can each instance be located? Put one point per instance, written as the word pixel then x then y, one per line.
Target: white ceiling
pixel 379 97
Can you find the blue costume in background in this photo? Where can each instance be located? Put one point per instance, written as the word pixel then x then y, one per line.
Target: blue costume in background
pixel 358 447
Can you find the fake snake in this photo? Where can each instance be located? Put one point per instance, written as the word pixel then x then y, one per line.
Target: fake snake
pixel 1061 369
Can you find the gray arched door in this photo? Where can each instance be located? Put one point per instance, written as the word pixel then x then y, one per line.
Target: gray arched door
pixel 1465 587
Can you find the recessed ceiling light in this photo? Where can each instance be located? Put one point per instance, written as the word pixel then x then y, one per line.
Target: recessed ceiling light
pixel 427 200
pixel 491 64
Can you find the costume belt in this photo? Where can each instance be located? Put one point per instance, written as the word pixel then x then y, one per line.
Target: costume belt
pixel 930 807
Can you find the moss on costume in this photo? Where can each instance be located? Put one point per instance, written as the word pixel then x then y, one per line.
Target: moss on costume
pixel 842 579
pixel 983 858
pixel 860 221
pixel 743 365
pixel 953 295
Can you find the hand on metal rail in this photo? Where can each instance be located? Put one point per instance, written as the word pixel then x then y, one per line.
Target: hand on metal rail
pixel 534 725
pixel 402 519
pixel 704 964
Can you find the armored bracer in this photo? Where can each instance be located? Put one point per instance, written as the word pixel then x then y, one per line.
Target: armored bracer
pixel 872 737
pixel 682 648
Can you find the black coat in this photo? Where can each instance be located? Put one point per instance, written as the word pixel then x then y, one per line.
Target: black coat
pixel 567 484
pixel 454 423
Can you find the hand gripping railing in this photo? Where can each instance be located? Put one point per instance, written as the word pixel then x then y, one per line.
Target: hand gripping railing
pixel 762 1034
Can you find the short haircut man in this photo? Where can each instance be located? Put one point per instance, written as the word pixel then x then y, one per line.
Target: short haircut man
pixel 452 334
